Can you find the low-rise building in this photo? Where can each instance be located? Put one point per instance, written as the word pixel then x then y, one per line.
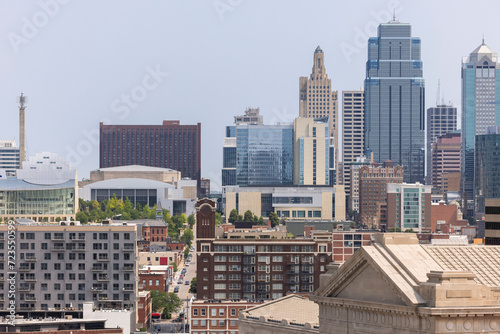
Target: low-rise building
pixel 290 314
pixel 144 309
pixel 409 206
pixel 210 316
pixel 158 258
pixel 288 202
pixel 50 325
pixel 155 277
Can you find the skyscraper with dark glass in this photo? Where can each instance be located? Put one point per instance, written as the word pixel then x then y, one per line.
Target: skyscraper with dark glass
pixel 480 107
pixel 395 100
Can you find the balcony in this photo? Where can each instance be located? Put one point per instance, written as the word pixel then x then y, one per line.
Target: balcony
pixel 57 237
pixel 128 289
pixel 103 259
pixel 24 268
pixel 100 298
pixel 128 268
pixel 96 288
pixel 292 272
pixel 2 257
pixel 79 249
pixel 29 298
pixel 26 308
pixel 103 278
pixel 292 282
pixel 24 288
pixel 128 249
pixel 97 268
pixel 58 249
pixel 31 258
pixel 30 279
pixel 77 238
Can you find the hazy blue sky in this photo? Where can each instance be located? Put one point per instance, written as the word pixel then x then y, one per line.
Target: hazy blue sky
pixel 78 60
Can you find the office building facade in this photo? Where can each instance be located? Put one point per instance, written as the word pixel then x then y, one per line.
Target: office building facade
pixel 254 269
pixel 264 155
pixel 317 98
pixel 353 125
pixel 487 168
pixel 492 221
pixel 170 145
pixel 480 93
pixel 9 157
pixel 353 198
pixel 445 157
pixel 395 99
pixel 441 120
pixel 251 116
pixel 311 152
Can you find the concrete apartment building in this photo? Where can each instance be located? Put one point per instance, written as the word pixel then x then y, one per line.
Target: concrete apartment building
pixel 60 267
pixel 445 158
pixel 353 198
pixel 409 207
pixel 9 157
pixel 169 145
pixel 353 127
pixel 317 99
pixel 373 180
pixel 217 316
pixel 254 268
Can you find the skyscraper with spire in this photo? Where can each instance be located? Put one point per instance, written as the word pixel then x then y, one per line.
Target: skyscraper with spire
pixel 480 106
pixel 395 100
pixel 317 99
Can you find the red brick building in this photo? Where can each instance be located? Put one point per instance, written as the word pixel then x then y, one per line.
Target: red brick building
pixel 155 232
pixel 155 278
pixel 169 145
pixel 346 243
pixel 442 214
pixel 144 309
pixel 373 180
pixel 209 316
pixel 254 268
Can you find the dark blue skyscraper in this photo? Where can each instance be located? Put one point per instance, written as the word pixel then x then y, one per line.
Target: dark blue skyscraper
pixel 395 99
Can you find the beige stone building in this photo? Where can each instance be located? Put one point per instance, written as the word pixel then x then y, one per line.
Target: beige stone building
pixel 311 142
pixel 133 172
pixel 399 286
pixel 316 97
pixel 301 203
pixel 290 314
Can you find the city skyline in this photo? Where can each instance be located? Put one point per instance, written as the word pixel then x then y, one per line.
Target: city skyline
pixel 77 77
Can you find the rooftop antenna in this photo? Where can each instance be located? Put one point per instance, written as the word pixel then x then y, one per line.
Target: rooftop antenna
pixel 483 38
pixel 438 95
pixel 394 14
pixel 22 100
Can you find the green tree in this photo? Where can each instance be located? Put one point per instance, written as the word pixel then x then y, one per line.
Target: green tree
pixel 126 216
pixel 218 219
pixel 168 302
pixel 152 215
pixel 146 211
pixel 186 253
pixel 255 219
pixel 134 213
pixel 192 287
pixel 175 266
pixel 233 216
pixel 187 236
pixel 261 221
pixel 166 216
pixel 248 217
pixel 128 205
pixel 82 217
pixel 273 217
pixel 191 221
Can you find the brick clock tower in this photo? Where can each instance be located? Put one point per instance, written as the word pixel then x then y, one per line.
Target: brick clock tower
pixel 205 235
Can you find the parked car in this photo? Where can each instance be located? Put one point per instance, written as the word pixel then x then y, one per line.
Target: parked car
pixel 187 264
pixel 186 282
pixel 178 320
pixel 176 289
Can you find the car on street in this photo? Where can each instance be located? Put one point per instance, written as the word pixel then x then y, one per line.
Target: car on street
pixel 176 289
pixel 178 320
pixel 186 282
pixel 187 264
pixel 180 281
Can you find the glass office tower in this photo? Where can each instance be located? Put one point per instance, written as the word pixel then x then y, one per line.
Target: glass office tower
pixel 480 107
pixel 395 100
pixel 487 178
pixel 264 155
